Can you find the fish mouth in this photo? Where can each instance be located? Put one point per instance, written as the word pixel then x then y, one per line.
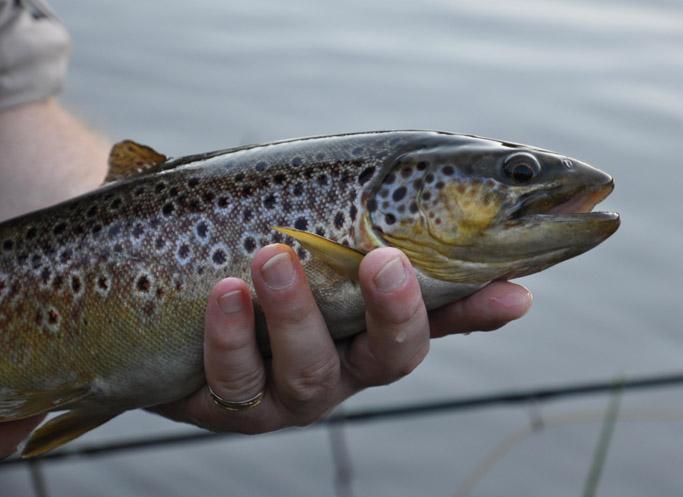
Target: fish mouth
pixel 562 203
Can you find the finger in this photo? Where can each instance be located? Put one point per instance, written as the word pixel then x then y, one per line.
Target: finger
pixel 13 432
pixel 397 337
pixel 488 309
pixel 232 362
pixel 305 362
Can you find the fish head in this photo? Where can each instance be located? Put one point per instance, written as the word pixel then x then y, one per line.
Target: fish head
pixel 479 209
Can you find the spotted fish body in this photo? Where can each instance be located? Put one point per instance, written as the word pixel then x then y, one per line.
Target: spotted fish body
pixel 102 297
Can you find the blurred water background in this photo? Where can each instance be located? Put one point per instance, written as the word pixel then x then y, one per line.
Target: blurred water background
pixel 600 81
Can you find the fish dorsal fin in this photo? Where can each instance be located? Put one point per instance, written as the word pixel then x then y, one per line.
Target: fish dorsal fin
pixel 128 158
pixel 62 429
pixel 27 404
pixel 341 258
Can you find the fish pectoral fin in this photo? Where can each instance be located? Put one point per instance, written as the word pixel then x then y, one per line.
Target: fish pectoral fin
pixel 15 406
pixel 128 159
pixel 341 258
pixel 62 429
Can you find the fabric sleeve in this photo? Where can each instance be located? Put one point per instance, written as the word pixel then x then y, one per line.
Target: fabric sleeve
pixel 34 51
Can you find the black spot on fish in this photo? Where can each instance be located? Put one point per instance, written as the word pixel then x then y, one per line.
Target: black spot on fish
pixel 261 166
pixel 301 224
pixel 277 237
pixel 114 230
pixel 76 284
pixel 246 190
pixel 429 177
pixel 249 244
pixel 365 176
pixel 138 231
pixel 297 161
pixel 389 218
pixel 372 205
pixel 301 252
pixel 406 172
pixel 92 212
pixel 173 192
pixel 421 166
pixel 116 204
pixel 118 248
pixel 59 229
pixel 298 189
pixel 353 211
pixel 239 177
pixel 36 262
pixel 439 185
pixel 52 317
pixel 448 170
pixel 219 257
pixel 159 187
pixel 159 243
pixel 202 230
pixel 391 177
pixel 193 182
pixel 222 202
pixel 96 230
pixel 167 209
pixel 140 190
pixel 322 180
pixel 399 193
pixel 65 256
pixel 8 245
pixel 269 201
pixel 45 276
pixel 195 204
pixel 31 233
pixel 208 197
pixel 426 195
pixel 184 251
pixel 279 178
pixel 143 284
pixel 103 283
pixel 320 231
pixel 413 207
pixel 246 215
pixel 79 229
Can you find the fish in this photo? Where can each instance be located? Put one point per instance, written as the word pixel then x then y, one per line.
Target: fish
pixel 102 297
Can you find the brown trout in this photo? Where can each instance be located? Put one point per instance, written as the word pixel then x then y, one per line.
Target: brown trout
pixel 102 297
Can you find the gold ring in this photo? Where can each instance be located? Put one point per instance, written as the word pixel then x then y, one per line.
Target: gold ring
pixel 233 406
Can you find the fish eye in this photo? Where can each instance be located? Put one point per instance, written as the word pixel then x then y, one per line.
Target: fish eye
pixel 521 168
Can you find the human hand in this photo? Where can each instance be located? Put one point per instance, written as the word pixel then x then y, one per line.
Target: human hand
pixel 13 432
pixel 308 374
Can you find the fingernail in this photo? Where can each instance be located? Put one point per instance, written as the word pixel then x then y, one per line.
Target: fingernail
pixel 231 302
pixel 391 276
pixel 513 300
pixel 278 271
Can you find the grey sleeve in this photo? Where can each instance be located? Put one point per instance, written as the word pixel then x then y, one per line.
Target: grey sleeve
pixel 34 51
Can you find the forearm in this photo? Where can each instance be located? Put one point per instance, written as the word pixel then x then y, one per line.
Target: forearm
pixel 46 156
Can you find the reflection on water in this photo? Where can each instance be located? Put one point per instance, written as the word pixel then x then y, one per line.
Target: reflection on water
pixel 600 82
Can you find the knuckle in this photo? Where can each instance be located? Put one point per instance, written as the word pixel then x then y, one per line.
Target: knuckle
pixel 250 381
pixel 311 382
